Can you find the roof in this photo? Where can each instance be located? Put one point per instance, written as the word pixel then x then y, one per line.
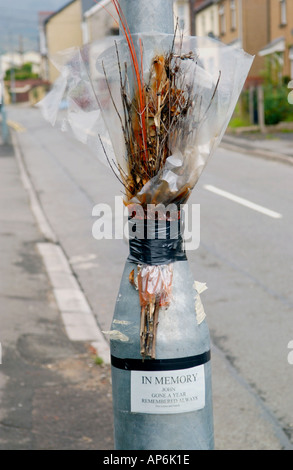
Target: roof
pixel 95 8
pixel 200 5
pixel 277 45
pixel 43 15
pixel 85 5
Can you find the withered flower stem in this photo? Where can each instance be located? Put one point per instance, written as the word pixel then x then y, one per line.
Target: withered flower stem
pixel 154 120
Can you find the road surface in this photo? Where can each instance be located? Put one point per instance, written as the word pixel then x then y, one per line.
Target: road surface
pixel 245 257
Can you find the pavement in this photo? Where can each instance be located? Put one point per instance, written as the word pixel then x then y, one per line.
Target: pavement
pixel 275 146
pixel 55 386
pixel 55 391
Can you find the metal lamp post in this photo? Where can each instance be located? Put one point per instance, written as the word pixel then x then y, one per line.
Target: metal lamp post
pixel 166 402
pixel 5 132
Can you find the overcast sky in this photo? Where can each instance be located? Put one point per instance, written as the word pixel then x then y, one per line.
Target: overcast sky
pixel 19 19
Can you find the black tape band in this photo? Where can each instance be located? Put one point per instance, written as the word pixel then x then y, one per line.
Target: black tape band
pixel 155 242
pixel 156 252
pixel 161 364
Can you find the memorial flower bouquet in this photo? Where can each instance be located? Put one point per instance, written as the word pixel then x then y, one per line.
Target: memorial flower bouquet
pixel 154 107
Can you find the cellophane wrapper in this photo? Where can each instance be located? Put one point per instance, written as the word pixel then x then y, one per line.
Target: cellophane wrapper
pixel 87 99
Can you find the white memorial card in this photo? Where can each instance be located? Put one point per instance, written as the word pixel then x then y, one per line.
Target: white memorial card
pixel 168 392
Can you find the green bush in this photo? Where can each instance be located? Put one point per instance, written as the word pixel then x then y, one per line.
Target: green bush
pixel 239 122
pixel 240 116
pixel 277 107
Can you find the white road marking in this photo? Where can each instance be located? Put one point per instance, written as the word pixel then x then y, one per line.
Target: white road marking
pixel 243 202
pixel 78 318
pixel 76 313
pixel 16 126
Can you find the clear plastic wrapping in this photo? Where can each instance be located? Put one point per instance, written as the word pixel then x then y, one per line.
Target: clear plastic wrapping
pixel 154 107
pixel 209 72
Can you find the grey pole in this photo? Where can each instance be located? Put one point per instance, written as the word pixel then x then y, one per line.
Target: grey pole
pixel 162 404
pixel 5 132
pixel 146 16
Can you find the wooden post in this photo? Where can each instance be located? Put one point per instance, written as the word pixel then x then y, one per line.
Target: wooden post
pixel 261 109
pixel 251 105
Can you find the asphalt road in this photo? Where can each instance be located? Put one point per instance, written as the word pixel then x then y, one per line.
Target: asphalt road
pixel 245 257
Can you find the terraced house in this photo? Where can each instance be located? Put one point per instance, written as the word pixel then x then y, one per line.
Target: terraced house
pixel 279 49
pixel 206 18
pixel 63 29
pixel 246 23
pixel 263 28
pixel 81 22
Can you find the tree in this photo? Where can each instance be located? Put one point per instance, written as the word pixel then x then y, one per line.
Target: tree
pixel 21 73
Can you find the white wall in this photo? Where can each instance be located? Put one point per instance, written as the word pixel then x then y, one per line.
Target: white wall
pixel 98 21
pixel 182 12
pixel 207 21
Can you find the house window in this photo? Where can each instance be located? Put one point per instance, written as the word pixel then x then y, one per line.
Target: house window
pixel 181 17
pixel 283 8
pixel 222 19
pixel 203 24
pixel 233 14
pixel 212 20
